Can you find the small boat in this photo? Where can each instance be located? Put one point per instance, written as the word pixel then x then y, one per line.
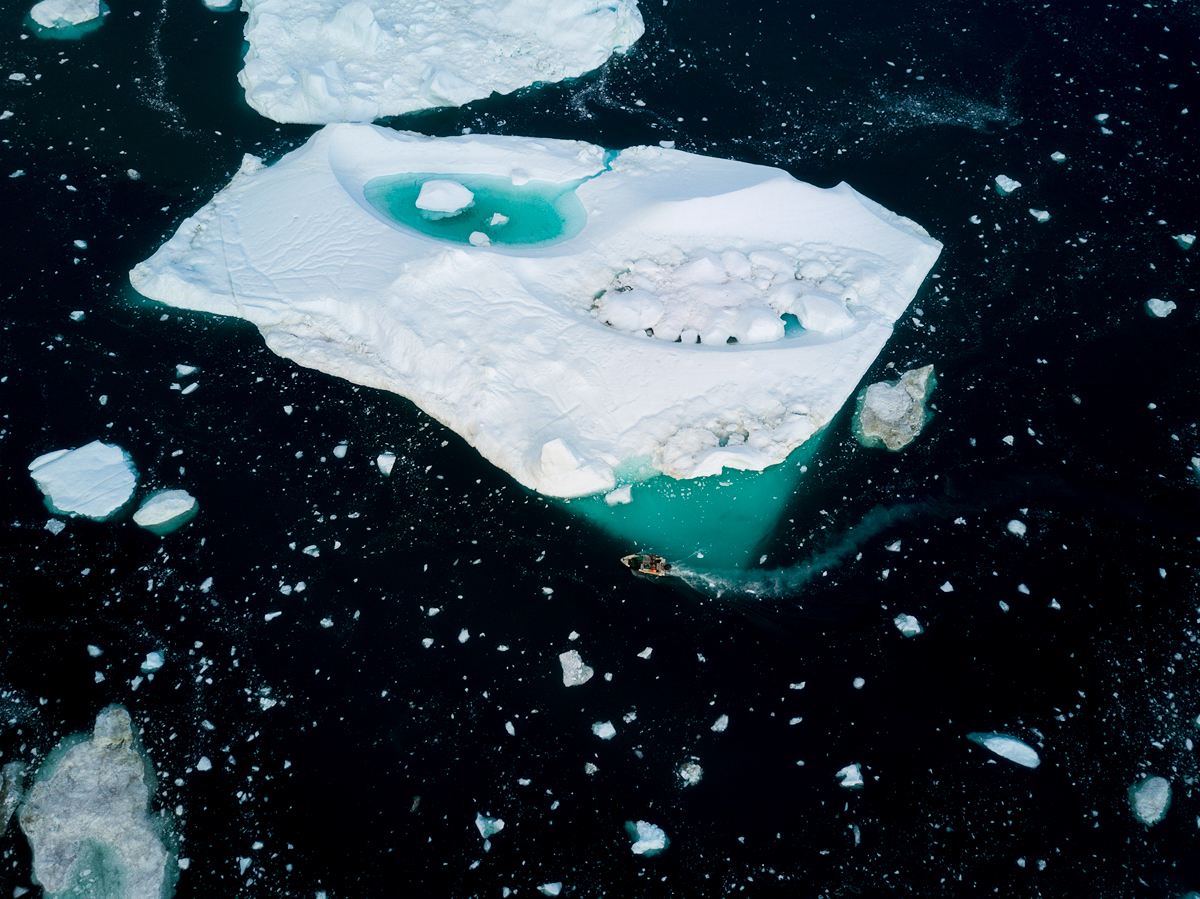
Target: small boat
pixel 644 563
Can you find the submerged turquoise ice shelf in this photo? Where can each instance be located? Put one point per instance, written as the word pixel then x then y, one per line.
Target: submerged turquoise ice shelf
pixel 718 522
pixel 538 212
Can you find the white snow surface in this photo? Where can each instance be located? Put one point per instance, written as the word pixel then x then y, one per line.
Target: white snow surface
pixel 93 480
pixel 319 61
pixel 65 13
pixel 1007 747
pixel 535 354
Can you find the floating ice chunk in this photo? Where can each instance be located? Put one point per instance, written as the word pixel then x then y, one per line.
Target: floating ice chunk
pixel 604 730
pixel 1017 528
pixel 621 496
pixel 494 345
pixel 1040 214
pixel 479 239
pixel 1058 156
pixel 892 413
pixel 386 462
pixel 488 826
pixel 1102 117
pixel 78 315
pixel 1006 185
pixel 94 651
pixel 648 840
pixel 442 197
pixel 166 511
pixel 851 776
pixel 56 527
pixel 1160 308
pixel 153 661
pixel 908 625
pixel 339 451
pixel 81 244
pixel 94 481
pixel 859 683
pixel 574 671
pixel 183 370
pixel 497 220
pixel 333 61
pixel 1196 467
pixel 12 791
pixel 86 818
pixel 1008 748
pixel 1185 241
pixel 551 889
pixel 947 587
pixel 1150 798
pixel 645 653
pixel 66 13
pixel 690 773
pixel 220 5
pixel 720 724
pixel 203 764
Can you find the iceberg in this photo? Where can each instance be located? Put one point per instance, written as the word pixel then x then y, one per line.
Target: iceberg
pixel 648 839
pixel 86 818
pixel 639 313
pixel 892 413
pixel 94 481
pixel 321 61
pixel 1006 185
pixel 574 671
pixel 1185 241
pixel 1150 798
pixel 1157 308
pixel 1008 748
pixel 166 511
pixel 66 13
pixel 850 777
pixel 908 625
pixel 604 730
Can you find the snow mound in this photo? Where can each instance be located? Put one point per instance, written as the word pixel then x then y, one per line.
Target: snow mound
pixel 66 13
pixel 318 61
pixel 892 413
pixel 534 352
pixel 1008 748
pixel 93 481
pixel 86 818
pixel 166 511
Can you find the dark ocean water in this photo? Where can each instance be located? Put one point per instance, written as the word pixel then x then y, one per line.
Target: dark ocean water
pixel 1079 638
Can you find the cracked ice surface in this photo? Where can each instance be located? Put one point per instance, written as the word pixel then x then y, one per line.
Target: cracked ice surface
pixel 515 347
pixel 318 61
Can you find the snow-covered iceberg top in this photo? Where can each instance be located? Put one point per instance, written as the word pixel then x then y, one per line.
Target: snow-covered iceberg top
pixel 66 13
pixel 94 481
pixel 318 61
pixel 578 355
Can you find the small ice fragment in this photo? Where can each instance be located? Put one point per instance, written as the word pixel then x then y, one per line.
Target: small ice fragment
pixel 133 174
pixel 206 585
pixel 326 622
pixel 1058 157
pixel 271 616
pixel 604 730
pixel 851 776
pixel 154 661
pixel 1006 185
pixel 1007 439
pixel 975 220
pixel 427 642
pixel 464 635
pixel 191 388
pixel 1185 241
pixel 81 244
pixel 1102 117
pixel 588 768
pixel 340 450
pixel 54 526
pixel 182 370
pixel 648 840
pixel 204 764
pixel 859 683
pixel 1040 214
pixel 287 410
pixel 620 496
pixel 385 461
pixel 1160 308
pixel 1004 607
pixel 442 198
pixel 645 653
pixel 488 826
pixel 908 625
pixel 574 671
pixel 551 889
pixel 690 773
pixel 720 724
pixel 508 726
pixel 479 239
pixel 893 547
pixel 1017 528
pixel 1007 747
pixel 78 315
pixel 573 636
pixel 1150 798
pixel 947 587
pixel 166 511
pixel 94 651
pixel 498 219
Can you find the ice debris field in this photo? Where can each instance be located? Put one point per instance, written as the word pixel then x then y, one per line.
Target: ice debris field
pixel 319 61
pixel 607 316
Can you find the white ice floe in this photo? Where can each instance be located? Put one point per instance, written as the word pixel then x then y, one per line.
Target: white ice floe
pixel 1150 798
pixel 90 805
pixel 153 661
pixel 721 724
pixel 1017 528
pixel 1058 156
pixel 604 730
pixel 908 625
pixel 183 370
pixel 488 826
pixel 648 839
pixel 166 511
pixel 1006 185
pixel 850 777
pixel 94 481
pixel 317 61
pixel 1040 214
pixel 1185 241
pixel 1007 747
pixel 551 889
pixel 892 413
pixel 442 197
pixel 573 669
pixel 539 353
pixel 1160 308
pixel 386 462
pixel 66 13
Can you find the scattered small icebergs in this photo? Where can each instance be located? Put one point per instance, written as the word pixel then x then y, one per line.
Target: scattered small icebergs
pixel 690 773
pixel 604 730
pixel 908 625
pixel 574 671
pixel 1008 748
pixel 1006 185
pixel 386 462
pixel 66 13
pixel 1040 214
pixel 892 413
pixel 1160 308
pixel 166 511
pixel 1185 241
pixel 851 776
pixel 94 481
pixel 648 840
pixel 1150 798
pixel 720 724
pixel 442 198
pixel 1017 528
pixel 1058 156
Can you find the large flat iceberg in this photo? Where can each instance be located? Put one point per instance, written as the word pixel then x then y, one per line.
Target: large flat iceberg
pixel 634 312
pixel 318 61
